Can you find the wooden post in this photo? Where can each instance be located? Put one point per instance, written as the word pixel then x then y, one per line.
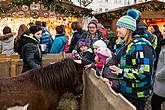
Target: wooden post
pixel 13 67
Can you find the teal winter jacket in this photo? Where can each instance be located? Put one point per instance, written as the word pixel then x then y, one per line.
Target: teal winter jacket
pixel 58 44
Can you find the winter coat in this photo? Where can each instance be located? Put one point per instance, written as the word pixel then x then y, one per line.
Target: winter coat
pixel 143 32
pixel 66 48
pixel 75 38
pixel 159 83
pixel 88 37
pixel 46 39
pixel 30 52
pixel 103 31
pixel 109 75
pixel 158 48
pixel 58 44
pixel 8 46
pixel 88 55
pixel 105 72
pixel 137 62
pixel 117 46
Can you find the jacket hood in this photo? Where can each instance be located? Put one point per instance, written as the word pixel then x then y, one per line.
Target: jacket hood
pixel 142 25
pixel 26 38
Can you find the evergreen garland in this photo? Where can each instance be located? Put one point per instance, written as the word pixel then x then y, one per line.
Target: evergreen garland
pixel 50 4
pixel 113 15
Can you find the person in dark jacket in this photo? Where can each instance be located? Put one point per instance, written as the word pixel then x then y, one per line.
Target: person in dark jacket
pixel 142 29
pixel 155 30
pixel 29 49
pixel 84 51
pixel 22 29
pixel 76 35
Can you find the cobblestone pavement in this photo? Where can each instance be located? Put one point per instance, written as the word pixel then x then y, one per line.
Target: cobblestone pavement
pixel 148 105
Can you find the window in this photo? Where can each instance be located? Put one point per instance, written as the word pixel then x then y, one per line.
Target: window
pixel 100 9
pixel 140 0
pixel 135 1
pixel 117 1
pixel 106 9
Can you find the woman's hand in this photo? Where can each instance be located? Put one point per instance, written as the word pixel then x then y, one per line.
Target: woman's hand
pixel 115 70
pixel 78 61
pixel 87 66
pixel 107 81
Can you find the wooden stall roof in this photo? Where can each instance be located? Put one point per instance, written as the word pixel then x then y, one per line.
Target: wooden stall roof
pixel 8 2
pixel 65 6
pixel 147 9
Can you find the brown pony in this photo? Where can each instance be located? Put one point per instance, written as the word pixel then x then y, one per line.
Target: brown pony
pixel 40 88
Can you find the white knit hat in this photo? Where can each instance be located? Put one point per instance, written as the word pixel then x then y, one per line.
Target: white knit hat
pixel 100 43
pixel 104 54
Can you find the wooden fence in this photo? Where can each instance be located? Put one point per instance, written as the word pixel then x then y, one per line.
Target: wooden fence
pixel 12 65
pixel 98 96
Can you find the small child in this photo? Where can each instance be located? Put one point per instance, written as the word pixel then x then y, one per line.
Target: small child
pixel 84 51
pixel 103 60
pixel 98 44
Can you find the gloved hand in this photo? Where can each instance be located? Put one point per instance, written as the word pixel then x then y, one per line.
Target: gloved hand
pixel 75 55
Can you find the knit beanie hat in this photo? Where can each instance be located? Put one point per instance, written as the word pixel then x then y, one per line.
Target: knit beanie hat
pixel 93 22
pixel 34 29
pixel 100 43
pixel 82 42
pixel 134 13
pixel 129 21
pixel 103 53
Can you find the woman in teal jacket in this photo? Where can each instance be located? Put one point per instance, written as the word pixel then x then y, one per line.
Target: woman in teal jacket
pixel 59 41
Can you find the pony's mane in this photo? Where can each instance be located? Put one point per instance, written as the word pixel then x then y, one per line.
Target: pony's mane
pixel 60 75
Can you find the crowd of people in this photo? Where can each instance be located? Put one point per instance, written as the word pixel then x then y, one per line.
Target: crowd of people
pixel 134 66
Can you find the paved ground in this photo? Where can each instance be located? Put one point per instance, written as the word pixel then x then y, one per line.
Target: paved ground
pixel 148 105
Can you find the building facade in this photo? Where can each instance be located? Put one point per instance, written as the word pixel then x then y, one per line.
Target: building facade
pixel 99 6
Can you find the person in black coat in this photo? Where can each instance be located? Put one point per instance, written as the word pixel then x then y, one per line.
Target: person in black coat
pixel 76 36
pixel 29 50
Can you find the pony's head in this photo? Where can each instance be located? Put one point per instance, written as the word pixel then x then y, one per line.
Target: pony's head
pixel 64 75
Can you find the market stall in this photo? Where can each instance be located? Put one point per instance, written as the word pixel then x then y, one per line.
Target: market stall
pixel 16 12
pixel 153 12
